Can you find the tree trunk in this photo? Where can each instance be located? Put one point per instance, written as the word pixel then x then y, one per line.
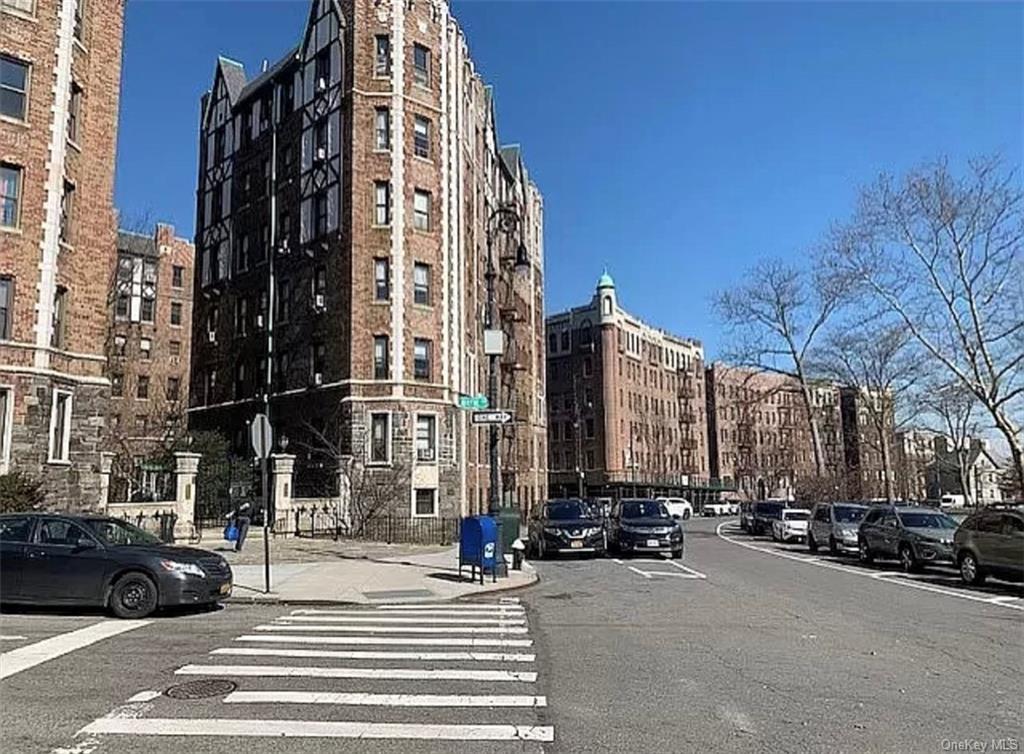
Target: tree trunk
pixel 887 465
pixel 1012 435
pixel 961 470
pixel 812 421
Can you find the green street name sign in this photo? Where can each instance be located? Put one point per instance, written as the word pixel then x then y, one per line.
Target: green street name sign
pixel 473 402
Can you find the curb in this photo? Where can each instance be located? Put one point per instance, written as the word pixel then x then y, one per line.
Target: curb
pixel 259 598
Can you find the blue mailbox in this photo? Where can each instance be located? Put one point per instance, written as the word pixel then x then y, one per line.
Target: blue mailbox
pixel 478 546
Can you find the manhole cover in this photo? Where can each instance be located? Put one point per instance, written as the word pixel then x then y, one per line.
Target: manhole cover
pixel 201 689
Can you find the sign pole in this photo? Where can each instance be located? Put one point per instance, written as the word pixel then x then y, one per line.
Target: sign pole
pixel 266 524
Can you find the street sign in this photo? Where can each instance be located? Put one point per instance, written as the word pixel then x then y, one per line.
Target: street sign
pixel 491 417
pixel 261 435
pixel 473 401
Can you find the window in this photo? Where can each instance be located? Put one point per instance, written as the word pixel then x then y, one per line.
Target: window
pixel 173 388
pixel 380 435
pixel 552 342
pixel 382 55
pixel 421 136
pixel 177 276
pixel 565 340
pixel 382 203
pixel 382 128
pixel 421 65
pixel 218 145
pixel 380 357
pixel 174 348
pixel 67 212
pixel 142 387
pixel 79 14
pixel 318 359
pixel 320 213
pixel 319 284
pixel 381 279
pixel 210 385
pixel 323 67
pixel 287 162
pixel 53 531
pixel 246 133
pixel 265 188
pixel 74 112
pixel 266 108
pixel 426 503
pixel 117 385
pixel 421 358
pixel 243 253
pixel 58 329
pixel 6 305
pixel 145 348
pixel 588 367
pixel 176 313
pixel 240 380
pixel 426 437
pixel 421 210
pixel 421 284
pixel 140 424
pixel 13 88
pixel 284 300
pixel 241 315
pixel 320 139
pixel 287 97
pixel 60 426
pixel 10 195
pixel 590 429
pixel 590 459
pixel 22 6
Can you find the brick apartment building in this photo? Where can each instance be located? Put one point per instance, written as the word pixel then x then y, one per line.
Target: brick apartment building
pixel 148 352
pixel 626 408
pixel 865 444
pixel 60 66
pixel 363 166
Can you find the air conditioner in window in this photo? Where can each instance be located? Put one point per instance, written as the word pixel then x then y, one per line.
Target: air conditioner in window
pixel 259 321
pixel 424 454
pixel 318 379
pixel 319 302
pixel 321 84
pixel 211 336
pixel 321 154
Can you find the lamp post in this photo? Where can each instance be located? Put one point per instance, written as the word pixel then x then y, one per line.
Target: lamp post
pixel 504 220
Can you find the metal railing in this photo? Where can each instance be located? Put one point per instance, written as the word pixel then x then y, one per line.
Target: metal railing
pixel 325 522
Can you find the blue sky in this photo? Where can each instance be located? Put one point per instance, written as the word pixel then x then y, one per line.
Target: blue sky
pixel 674 142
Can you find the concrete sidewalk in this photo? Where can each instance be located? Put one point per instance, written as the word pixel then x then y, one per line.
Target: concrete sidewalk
pixel 416 577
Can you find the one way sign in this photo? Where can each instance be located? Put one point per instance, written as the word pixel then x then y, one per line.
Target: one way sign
pixel 491 417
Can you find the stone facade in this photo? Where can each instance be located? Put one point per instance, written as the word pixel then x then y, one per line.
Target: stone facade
pixel 57 145
pixel 359 171
pixel 626 407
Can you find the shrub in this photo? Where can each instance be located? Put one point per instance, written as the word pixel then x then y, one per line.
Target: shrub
pixel 19 492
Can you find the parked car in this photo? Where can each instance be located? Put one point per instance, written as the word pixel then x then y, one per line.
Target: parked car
pixel 835 524
pixel 913 535
pixel 715 508
pixel 66 559
pixel 765 514
pixel 746 516
pixel 791 525
pixel 638 525
pixel 567 526
pixel 991 543
pixel 734 507
pixel 678 507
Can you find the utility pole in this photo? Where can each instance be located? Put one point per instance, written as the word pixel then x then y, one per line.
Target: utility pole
pixel 268 379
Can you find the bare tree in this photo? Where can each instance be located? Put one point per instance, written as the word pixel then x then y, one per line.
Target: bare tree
pixel 943 254
pixel 876 360
pixel 956 411
pixel 774 318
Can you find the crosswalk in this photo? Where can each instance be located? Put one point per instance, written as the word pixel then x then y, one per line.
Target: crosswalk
pixel 434 673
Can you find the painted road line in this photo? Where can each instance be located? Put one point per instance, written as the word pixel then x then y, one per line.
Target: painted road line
pixel 13 638
pixel 370 655
pixel 462 607
pixel 383 700
pixel 417 641
pixel 1003 598
pixel 316 729
pixel 342 628
pixel 416 619
pixel 638 571
pixel 23 658
pixel 681 567
pixel 383 674
pixel 460 614
pixel 145 696
pixel 617 560
pixel 879 576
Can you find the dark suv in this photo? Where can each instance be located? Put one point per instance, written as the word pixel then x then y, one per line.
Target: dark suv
pixel 991 543
pixel 644 526
pixel 766 514
pixel 914 536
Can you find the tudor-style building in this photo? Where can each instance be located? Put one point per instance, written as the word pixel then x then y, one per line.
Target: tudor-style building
pixel 359 172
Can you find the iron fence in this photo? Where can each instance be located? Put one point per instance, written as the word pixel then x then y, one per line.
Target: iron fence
pixel 324 522
pixel 160 523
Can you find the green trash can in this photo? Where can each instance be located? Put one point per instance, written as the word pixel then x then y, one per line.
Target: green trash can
pixel 509 518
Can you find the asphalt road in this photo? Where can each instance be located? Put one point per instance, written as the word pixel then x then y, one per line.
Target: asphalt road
pixel 743 646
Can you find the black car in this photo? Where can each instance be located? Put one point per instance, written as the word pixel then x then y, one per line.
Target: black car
pixel 644 526
pixel 764 514
pixel 567 526
pixel 64 559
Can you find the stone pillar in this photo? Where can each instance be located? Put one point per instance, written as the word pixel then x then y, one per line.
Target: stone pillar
pixel 282 470
pixel 186 466
pixel 106 467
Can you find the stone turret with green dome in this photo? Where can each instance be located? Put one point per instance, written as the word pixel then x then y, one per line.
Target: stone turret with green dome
pixel 606 297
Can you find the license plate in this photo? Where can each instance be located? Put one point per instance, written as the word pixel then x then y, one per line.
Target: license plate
pixel 225 587
pixel 577 544
pixel 652 543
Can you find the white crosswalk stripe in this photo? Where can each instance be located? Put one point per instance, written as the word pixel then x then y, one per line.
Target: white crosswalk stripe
pixel 417 672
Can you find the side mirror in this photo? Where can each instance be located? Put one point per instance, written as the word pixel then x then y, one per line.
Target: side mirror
pixel 84 543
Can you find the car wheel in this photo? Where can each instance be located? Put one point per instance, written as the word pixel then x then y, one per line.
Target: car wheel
pixel 133 596
pixel 677 554
pixel 864 552
pixel 811 544
pixel 833 548
pixel 686 515
pixel 970 571
pixel 907 559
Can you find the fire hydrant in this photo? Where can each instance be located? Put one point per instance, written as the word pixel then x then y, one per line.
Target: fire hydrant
pixel 518 550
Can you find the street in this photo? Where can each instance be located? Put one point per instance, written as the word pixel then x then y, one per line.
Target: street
pixel 734 648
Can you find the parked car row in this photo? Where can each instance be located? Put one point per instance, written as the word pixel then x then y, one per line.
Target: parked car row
pixel 989 542
pixel 628 526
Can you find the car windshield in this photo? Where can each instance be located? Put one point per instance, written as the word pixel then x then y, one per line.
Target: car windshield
pixel 644 509
pixel 772 509
pixel 927 521
pixel 567 510
pixel 113 532
pixel 849 514
pixel 796 515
